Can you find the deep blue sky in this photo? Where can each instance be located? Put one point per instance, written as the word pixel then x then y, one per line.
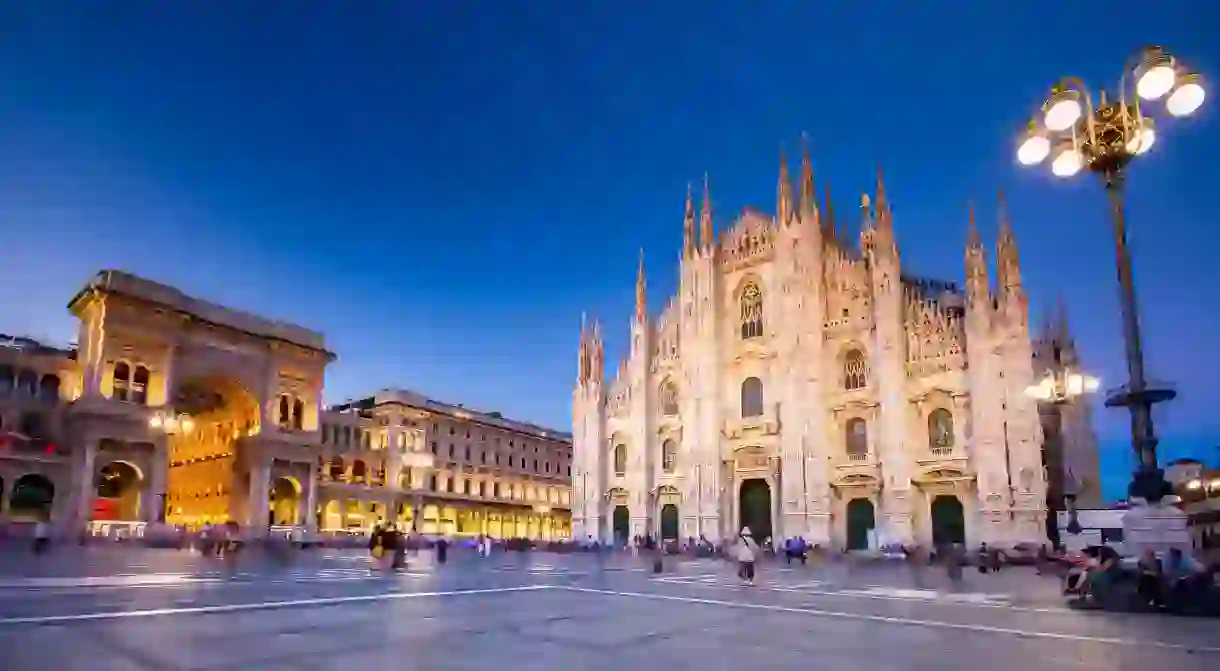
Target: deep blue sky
pixel 443 187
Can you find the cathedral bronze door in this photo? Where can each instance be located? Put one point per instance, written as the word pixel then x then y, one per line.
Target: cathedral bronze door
pixel 622 524
pixel 948 521
pixel 861 519
pixel 669 522
pixel 755 508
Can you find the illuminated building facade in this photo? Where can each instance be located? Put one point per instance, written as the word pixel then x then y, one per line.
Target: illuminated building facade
pixel 175 409
pixel 802 382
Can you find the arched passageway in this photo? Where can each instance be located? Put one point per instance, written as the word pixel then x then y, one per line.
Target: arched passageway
pixel 285 502
pixel 31 499
pixel 117 492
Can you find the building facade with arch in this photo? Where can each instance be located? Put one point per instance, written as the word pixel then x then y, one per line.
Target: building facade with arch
pixel 802 383
pixel 174 409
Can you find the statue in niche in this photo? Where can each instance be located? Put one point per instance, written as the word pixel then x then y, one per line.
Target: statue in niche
pixel 940 428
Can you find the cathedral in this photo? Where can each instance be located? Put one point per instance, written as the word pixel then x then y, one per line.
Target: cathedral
pixel 802 383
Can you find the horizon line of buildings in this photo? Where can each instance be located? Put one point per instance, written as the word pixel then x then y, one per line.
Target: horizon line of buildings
pixel 174 409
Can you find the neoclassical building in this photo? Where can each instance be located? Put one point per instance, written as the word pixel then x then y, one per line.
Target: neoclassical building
pixel 803 383
pixel 175 409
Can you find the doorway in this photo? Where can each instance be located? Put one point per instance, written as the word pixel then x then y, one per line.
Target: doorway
pixel 861 519
pixel 621 523
pixel 948 521
pixel 669 522
pixel 755 508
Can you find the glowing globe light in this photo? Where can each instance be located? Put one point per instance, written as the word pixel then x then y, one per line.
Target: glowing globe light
pixel 1186 99
pixel 1062 115
pixel 1156 82
pixel 1142 141
pixel 1067 163
pixel 1033 150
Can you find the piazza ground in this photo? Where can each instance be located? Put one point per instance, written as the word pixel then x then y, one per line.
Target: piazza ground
pixel 103 609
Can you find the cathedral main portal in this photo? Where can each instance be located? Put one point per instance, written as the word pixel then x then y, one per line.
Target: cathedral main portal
pixel 755 508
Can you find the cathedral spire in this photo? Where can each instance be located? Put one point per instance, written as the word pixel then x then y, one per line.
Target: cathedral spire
pixel 1008 262
pixel 707 237
pixel 809 200
pixel 882 208
pixel 978 286
pixel 641 298
pixel 688 225
pixel 583 367
pixel 783 195
pixel 828 222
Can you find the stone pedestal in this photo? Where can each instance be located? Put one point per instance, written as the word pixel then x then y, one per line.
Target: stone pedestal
pixel 1156 527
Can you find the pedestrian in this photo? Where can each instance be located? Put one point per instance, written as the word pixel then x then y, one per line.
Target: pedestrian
pixel 747 554
pixel 42 537
pixel 442 550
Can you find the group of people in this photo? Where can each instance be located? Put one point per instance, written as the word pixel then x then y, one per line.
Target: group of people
pixel 1173 582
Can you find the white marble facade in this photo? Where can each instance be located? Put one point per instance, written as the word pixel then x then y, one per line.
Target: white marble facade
pixel 801 382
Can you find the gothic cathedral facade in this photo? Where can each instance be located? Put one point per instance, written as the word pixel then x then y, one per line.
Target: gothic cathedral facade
pixel 802 384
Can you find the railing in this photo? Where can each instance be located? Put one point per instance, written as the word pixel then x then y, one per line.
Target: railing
pixel 941 451
pixel 857 456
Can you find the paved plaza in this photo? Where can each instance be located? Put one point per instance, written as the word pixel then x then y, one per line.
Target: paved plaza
pixel 101 609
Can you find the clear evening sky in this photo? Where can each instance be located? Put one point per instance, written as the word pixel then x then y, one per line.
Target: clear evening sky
pixel 443 187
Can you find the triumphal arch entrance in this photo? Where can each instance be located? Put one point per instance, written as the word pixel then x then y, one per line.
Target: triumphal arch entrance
pixel 185 411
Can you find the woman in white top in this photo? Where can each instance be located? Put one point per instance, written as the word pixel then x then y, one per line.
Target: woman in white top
pixel 746 551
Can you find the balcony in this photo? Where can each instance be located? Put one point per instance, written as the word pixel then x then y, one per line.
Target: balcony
pixel 752 428
pixel 940 457
pixel 849 466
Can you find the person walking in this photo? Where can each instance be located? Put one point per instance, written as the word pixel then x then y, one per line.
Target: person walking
pixel 747 555
pixel 42 537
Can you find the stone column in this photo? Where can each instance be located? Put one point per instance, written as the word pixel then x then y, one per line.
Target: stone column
pixel 83 506
pixel 257 503
pixel 310 518
pixel 152 501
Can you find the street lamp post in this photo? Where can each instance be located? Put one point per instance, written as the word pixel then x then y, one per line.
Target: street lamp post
pixel 1059 387
pixel 1104 135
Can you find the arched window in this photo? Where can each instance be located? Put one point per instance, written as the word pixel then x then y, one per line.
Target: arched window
pixel 857 438
pixel 669 456
pixel 298 413
pixel 855 370
pixel 620 460
pixel 669 398
pixel 751 397
pixel 284 415
pixel 6 380
pixel 940 429
pixel 139 385
pixel 122 381
pixel 359 472
pixel 48 389
pixel 27 383
pixel 337 469
pixel 751 312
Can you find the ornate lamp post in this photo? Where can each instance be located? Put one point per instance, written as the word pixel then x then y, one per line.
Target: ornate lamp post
pixel 1060 386
pixel 416 460
pixel 171 424
pixel 1103 135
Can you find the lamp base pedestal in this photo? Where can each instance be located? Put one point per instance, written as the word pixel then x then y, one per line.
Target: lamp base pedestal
pixel 1157 526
